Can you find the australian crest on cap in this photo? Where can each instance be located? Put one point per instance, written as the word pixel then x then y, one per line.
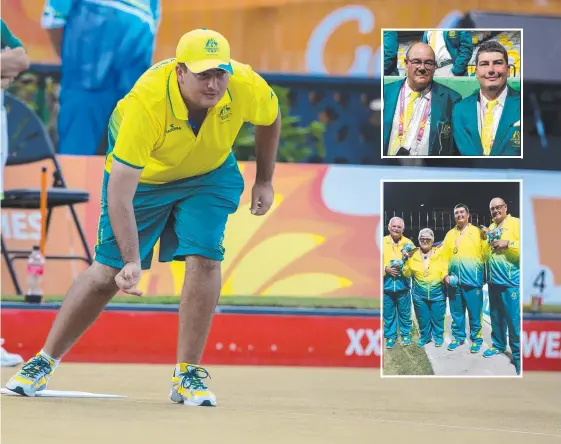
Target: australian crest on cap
pixel 211 45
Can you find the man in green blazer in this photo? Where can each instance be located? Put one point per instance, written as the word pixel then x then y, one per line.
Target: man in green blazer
pixel 418 111
pixel 487 123
pixel 453 51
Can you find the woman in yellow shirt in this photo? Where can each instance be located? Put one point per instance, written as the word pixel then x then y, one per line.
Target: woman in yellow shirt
pixel 427 267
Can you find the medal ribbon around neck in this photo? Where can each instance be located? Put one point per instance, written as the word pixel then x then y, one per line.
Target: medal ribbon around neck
pixel 400 130
pixel 459 238
pixel 426 262
pixel 395 246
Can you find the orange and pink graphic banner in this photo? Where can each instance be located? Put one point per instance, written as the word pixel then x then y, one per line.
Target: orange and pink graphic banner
pixel 300 248
pixel 320 238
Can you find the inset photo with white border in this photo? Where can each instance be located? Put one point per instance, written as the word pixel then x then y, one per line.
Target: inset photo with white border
pixel 451 278
pixel 452 92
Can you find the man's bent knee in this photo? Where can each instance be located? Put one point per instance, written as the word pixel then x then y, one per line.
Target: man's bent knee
pixel 102 276
pixel 200 263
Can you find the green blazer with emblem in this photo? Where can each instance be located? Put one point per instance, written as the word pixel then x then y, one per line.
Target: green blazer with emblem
pixel 460 46
pixel 441 142
pixel 466 133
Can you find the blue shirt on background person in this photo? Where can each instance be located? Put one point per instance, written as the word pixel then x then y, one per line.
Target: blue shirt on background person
pixel 105 46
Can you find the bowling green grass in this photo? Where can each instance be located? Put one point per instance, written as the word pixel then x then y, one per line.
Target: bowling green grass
pixel 264 301
pixel 410 360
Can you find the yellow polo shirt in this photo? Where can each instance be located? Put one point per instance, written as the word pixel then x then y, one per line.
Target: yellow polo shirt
pixel 149 128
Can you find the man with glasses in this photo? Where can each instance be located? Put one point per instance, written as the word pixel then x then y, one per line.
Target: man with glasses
pixel 487 123
pixel 453 51
pixel 418 111
pixel 465 252
pixel 503 277
pixel 397 299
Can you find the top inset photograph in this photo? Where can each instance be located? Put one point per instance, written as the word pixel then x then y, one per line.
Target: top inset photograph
pixel 451 93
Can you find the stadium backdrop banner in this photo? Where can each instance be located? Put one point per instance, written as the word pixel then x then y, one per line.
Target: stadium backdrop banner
pixel 297 36
pixel 320 239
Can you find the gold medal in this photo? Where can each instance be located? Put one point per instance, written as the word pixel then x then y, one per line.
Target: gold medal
pixel 426 273
pixel 455 251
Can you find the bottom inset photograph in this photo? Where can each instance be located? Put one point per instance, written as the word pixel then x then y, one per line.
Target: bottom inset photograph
pixel 451 278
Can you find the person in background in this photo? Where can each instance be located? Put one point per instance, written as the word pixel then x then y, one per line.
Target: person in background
pixel 104 47
pixel 391 47
pixel 397 297
pixel 453 50
pixel 14 61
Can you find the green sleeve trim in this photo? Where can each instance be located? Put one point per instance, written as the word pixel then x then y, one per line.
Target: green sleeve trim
pixel 127 164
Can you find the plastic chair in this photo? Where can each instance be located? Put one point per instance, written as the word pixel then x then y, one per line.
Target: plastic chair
pixel 29 143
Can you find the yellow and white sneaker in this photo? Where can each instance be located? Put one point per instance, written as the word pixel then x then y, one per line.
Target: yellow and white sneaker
pixel 32 377
pixel 188 387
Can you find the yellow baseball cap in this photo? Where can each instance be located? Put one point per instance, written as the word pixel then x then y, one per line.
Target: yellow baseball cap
pixel 203 49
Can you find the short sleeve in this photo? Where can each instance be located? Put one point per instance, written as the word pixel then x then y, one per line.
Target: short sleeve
pixel 265 107
pixel 135 133
pixel 55 13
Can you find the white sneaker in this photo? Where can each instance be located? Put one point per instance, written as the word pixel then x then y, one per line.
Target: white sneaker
pixel 8 359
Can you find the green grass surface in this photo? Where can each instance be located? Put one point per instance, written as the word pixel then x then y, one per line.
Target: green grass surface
pixel 263 301
pixel 410 360
pixel 544 309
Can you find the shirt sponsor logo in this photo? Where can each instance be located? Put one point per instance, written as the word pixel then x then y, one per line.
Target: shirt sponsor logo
pixel 172 128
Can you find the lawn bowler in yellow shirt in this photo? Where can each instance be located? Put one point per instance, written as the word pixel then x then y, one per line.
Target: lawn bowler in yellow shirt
pixel 503 278
pixel 397 295
pixel 170 175
pixel 465 253
pixel 428 267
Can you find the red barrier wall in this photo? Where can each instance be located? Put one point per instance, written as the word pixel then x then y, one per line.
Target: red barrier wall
pixel 542 345
pixel 244 339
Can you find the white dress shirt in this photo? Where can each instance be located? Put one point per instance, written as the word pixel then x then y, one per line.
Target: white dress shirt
pixel 410 133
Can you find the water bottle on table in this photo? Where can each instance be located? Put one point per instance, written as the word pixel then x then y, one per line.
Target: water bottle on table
pixel 35 271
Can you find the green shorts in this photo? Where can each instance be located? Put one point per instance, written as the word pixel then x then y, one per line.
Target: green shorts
pixel 188 216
